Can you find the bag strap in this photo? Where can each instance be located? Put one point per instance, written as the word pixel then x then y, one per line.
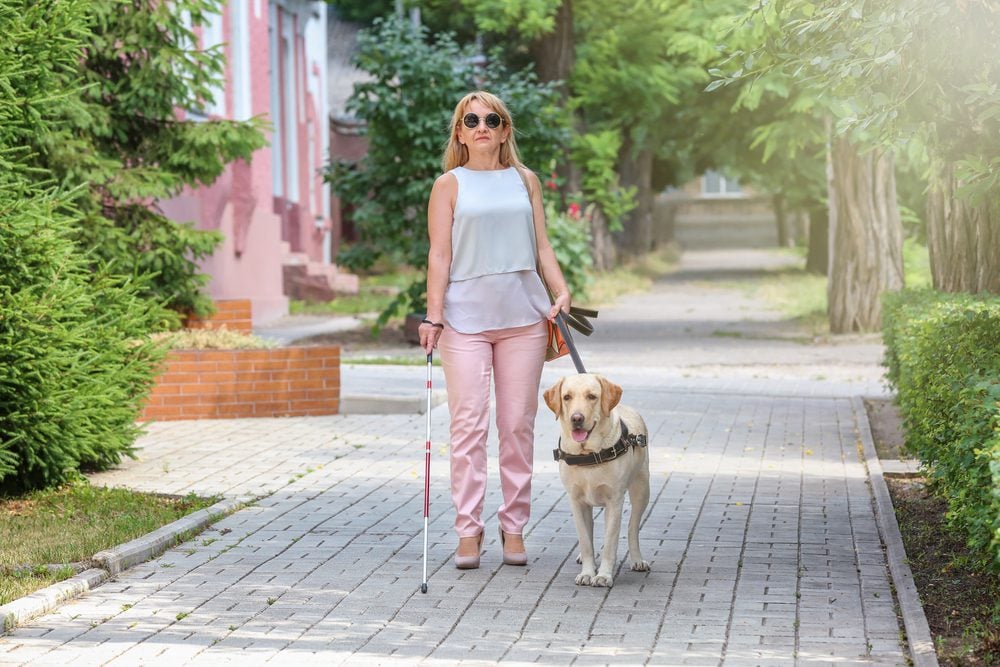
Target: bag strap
pixel 560 320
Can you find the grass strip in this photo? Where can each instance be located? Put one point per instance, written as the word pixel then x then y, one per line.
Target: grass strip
pixel 70 524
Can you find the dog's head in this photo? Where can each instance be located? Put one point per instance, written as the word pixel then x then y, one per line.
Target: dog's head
pixel 583 403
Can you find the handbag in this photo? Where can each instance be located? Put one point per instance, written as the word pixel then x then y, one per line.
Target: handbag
pixel 560 341
pixel 556 346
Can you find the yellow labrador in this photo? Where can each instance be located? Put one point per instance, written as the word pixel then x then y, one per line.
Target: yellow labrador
pixel 602 454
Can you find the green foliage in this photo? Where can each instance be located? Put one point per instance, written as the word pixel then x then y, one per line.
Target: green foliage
pixel 943 358
pixel 895 72
pixel 130 147
pixel 71 377
pixel 407 108
pixel 73 367
pixel 531 17
pixel 597 154
pixel 568 228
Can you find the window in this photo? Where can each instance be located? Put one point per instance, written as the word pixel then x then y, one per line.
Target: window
pixel 714 184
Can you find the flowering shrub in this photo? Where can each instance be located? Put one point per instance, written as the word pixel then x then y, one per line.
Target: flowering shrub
pixel 569 232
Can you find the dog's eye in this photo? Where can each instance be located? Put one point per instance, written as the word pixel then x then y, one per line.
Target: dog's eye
pixel 568 397
pixel 592 397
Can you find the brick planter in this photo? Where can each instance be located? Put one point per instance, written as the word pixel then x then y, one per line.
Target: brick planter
pixel 220 384
pixel 233 314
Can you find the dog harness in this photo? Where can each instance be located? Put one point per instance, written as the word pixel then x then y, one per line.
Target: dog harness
pixel 626 442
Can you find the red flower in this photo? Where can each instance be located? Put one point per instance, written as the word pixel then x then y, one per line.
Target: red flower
pixel 574 211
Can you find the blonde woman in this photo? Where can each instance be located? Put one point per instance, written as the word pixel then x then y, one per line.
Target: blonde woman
pixel 486 311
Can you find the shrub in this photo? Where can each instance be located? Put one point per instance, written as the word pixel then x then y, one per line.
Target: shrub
pixel 71 376
pixel 71 379
pixel 943 356
pixel 210 339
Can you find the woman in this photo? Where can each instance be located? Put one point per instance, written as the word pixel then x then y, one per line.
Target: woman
pixel 486 309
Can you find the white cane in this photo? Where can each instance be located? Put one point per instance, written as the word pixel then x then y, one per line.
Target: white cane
pixel 427 469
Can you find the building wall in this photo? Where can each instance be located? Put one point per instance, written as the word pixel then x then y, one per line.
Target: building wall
pixel 268 209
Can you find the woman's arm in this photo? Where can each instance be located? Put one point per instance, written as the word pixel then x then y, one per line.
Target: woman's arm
pixel 548 265
pixel 440 213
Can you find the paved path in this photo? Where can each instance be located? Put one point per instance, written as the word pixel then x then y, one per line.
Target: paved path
pixel 761 533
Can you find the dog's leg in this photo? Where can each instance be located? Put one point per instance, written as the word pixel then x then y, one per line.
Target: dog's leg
pixel 609 554
pixel 583 517
pixel 638 495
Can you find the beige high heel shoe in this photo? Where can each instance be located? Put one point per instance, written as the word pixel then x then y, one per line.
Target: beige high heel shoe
pixel 469 562
pixel 512 557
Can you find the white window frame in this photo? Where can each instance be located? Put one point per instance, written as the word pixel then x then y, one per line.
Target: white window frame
pixel 728 187
pixel 274 79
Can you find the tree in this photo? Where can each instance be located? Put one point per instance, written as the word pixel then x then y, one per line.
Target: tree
pixel 864 223
pixel 904 72
pixel 407 108
pixel 637 67
pixel 75 360
pixel 130 145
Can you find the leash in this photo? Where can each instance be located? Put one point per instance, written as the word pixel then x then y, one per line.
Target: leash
pixel 573 353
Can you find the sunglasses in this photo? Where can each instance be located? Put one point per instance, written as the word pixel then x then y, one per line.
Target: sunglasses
pixel 493 120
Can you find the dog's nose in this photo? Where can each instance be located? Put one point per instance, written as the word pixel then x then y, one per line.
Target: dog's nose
pixel 577 419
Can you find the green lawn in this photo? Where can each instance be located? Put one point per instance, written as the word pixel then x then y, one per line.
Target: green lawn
pixel 71 524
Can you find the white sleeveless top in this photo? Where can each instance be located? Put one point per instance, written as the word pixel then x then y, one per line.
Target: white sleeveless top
pixel 493 283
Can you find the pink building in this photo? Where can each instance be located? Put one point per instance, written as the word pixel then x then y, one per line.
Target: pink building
pixel 275 211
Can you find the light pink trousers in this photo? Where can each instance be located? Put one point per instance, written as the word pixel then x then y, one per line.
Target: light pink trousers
pixel 515 357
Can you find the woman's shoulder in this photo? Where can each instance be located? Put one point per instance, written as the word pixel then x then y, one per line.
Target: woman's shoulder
pixel 448 178
pixel 445 184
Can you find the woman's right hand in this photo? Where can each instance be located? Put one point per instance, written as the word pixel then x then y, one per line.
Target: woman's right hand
pixel 430 333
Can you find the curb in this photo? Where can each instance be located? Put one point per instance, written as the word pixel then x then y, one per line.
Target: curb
pixel 109 563
pixel 380 404
pixel 918 633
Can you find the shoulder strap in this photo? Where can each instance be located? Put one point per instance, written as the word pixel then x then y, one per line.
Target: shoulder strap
pixel 531 200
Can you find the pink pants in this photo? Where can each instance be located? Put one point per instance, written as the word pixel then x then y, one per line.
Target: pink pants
pixel 515 357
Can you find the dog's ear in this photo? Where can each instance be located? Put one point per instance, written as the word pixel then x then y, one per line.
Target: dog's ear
pixel 553 398
pixel 611 394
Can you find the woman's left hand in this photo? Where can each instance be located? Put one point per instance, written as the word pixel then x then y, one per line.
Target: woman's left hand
pixel 562 302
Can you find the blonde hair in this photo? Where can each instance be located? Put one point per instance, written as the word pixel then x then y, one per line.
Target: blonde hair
pixel 456 154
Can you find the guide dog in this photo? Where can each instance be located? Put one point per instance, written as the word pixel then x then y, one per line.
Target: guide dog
pixel 602 454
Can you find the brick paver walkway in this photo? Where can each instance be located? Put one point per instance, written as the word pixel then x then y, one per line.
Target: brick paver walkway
pixel 760 532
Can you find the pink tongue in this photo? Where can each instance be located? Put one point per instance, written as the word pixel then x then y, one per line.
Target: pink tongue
pixel 579 434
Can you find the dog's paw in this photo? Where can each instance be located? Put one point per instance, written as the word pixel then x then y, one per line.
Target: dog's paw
pixel 584 579
pixel 602 581
pixel 640 566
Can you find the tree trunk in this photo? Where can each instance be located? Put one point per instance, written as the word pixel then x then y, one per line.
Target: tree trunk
pixel 636 169
pixel 964 240
pixel 553 52
pixel 602 246
pixel 818 258
pixel 866 236
pixel 778 204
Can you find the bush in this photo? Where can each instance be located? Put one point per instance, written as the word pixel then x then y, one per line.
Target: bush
pixel 943 356
pixel 71 376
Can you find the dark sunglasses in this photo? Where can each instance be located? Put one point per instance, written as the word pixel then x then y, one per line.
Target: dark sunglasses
pixel 493 120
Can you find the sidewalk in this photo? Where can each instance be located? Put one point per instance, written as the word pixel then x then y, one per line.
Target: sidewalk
pixel 761 532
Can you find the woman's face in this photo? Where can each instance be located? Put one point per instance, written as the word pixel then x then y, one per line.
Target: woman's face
pixel 481 138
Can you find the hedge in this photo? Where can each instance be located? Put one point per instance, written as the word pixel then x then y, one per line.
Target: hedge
pixel 943 359
pixel 75 357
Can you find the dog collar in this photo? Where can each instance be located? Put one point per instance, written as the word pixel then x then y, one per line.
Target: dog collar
pixel 626 442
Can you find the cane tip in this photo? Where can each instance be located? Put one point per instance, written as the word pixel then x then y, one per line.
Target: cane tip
pixel 423 588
